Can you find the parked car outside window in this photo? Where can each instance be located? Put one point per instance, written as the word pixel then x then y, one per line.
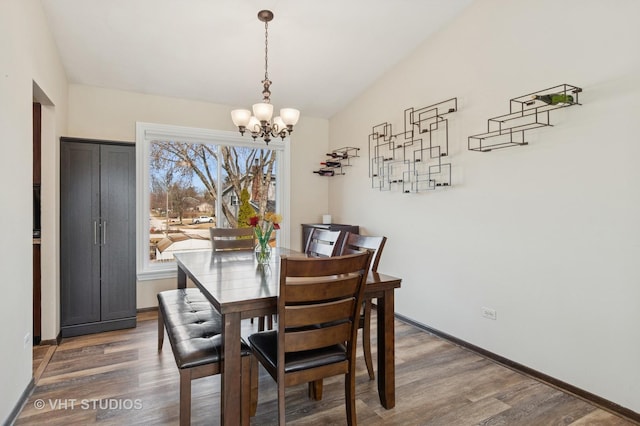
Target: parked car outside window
pixel 203 219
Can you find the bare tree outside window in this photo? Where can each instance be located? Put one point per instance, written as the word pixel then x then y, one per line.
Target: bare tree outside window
pixel 185 190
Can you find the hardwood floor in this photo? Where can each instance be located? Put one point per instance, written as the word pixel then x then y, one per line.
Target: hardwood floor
pixel 41 356
pixel 119 378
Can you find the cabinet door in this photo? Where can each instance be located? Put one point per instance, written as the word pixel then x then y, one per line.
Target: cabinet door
pixel 79 233
pixel 117 208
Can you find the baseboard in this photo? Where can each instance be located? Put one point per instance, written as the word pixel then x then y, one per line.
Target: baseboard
pixel 98 327
pixel 149 309
pixel 13 415
pixel 596 400
pixel 53 342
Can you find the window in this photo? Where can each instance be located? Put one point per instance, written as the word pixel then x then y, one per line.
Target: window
pixel 189 180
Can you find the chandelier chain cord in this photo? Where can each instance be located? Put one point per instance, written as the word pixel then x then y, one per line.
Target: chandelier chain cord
pixel 266 50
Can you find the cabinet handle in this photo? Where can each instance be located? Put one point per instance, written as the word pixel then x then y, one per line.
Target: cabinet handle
pixel 95 232
pixel 104 232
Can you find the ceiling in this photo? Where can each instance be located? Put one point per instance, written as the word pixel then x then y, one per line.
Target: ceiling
pixel 322 54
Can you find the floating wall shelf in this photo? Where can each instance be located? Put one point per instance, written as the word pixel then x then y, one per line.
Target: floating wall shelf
pixel 526 112
pixel 412 161
pixel 337 160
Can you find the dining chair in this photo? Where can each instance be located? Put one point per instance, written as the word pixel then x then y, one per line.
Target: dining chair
pixel 318 315
pixel 355 243
pixel 238 239
pixel 323 243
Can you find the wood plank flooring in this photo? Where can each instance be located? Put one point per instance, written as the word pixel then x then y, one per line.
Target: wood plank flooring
pixel 119 378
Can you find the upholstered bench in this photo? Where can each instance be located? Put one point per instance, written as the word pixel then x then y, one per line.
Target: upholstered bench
pixel 193 327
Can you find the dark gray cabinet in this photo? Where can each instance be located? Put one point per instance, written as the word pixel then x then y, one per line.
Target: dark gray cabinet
pixel 308 227
pixel 97 236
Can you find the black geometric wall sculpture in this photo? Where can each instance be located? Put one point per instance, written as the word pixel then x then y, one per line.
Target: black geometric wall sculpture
pixel 412 160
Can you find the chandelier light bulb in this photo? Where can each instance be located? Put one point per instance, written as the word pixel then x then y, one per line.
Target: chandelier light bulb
pixel 278 125
pixel 240 117
pixel 263 111
pixel 254 125
pixel 290 116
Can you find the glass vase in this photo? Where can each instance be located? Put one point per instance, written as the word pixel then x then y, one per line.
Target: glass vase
pixel 263 253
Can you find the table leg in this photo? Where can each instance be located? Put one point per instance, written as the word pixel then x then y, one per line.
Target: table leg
pixel 230 404
pixel 182 278
pixel 386 351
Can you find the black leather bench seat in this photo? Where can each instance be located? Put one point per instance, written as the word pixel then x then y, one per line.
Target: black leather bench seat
pixel 193 327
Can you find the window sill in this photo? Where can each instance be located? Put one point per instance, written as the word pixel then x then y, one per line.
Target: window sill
pixel 159 274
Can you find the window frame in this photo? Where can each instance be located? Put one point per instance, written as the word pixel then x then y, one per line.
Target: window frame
pixel 147 133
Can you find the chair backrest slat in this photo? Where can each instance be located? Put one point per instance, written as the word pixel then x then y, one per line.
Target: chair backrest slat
pixel 332 287
pixel 305 340
pixel 323 243
pixel 246 244
pixel 232 239
pixel 302 316
pixel 355 243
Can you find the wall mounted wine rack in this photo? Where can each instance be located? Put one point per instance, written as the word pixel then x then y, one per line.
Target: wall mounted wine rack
pixel 337 160
pixel 413 160
pixel 526 112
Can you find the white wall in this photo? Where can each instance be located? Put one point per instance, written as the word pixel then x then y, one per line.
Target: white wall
pixel 547 234
pixel 111 115
pixel 28 59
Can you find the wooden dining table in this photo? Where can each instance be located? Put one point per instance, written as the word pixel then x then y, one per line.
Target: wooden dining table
pixel 239 288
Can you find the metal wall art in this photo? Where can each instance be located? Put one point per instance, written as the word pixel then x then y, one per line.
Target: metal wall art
pixel 412 160
pixel 526 112
pixel 337 160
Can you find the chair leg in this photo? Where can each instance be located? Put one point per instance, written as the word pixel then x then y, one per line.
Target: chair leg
pixel 366 339
pixel 281 412
pixel 245 391
pixel 265 321
pixel 350 397
pixel 160 330
pixel 185 397
pixel 255 368
pixel 315 390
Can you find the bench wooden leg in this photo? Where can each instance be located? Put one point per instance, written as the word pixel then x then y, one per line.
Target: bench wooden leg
pixel 160 330
pixel 185 397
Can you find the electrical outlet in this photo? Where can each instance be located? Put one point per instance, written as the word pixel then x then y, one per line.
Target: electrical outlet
pixel 27 340
pixel 489 313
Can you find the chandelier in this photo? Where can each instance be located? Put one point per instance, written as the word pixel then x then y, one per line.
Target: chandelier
pixel 260 123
